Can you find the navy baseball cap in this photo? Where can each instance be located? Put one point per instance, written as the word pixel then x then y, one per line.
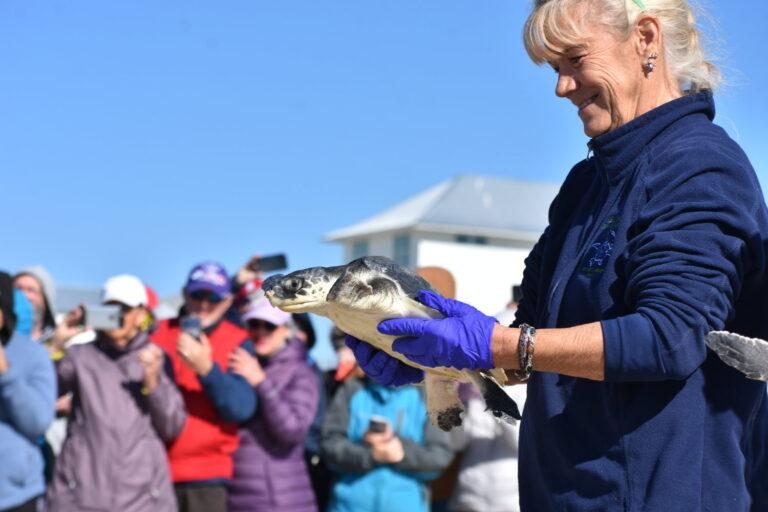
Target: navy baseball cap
pixel 209 276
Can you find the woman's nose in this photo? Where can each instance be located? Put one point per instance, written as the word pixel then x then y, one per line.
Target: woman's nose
pixel 566 84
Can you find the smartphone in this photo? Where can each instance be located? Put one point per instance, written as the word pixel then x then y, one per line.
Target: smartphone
pixel 378 424
pixel 268 263
pixel 191 325
pixel 102 318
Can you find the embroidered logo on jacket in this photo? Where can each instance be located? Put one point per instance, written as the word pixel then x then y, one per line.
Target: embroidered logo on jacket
pixel 601 249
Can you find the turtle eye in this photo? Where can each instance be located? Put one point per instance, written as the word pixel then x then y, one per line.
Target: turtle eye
pixel 292 284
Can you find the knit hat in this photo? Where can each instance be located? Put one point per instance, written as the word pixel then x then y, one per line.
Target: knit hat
pixel 48 286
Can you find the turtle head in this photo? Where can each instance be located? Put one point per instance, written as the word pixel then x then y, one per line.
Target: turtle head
pixel 367 284
pixel 303 290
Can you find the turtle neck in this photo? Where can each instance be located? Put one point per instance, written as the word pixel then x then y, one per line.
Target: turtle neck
pixel 616 150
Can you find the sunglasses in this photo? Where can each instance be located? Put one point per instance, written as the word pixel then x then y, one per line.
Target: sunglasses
pixel 203 295
pixel 255 324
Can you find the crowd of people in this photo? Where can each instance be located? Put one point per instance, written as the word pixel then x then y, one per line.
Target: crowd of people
pixel 218 408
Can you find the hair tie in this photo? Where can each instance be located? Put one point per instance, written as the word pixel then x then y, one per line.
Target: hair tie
pixel 640 4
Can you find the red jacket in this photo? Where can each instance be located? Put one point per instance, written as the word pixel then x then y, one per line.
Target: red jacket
pixel 203 450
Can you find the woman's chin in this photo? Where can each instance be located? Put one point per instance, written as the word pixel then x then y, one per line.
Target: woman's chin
pixel 593 130
pixel 595 123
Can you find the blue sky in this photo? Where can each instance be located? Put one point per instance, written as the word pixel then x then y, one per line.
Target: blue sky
pixel 145 136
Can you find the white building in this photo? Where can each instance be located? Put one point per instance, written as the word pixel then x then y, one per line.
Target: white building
pixel 479 228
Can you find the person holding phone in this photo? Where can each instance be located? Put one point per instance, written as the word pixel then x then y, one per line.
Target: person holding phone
pixel 269 464
pixel 200 341
pixel 125 408
pixel 381 445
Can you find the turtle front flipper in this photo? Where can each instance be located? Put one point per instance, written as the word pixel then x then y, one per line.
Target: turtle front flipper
pixel 496 399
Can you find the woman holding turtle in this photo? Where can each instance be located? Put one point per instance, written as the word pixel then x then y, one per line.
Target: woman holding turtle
pixel 655 239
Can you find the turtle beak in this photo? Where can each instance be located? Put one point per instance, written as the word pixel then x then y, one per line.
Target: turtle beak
pixel 282 287
pixel 271 283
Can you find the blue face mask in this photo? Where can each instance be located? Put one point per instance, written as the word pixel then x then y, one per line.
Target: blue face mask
pixel 24 312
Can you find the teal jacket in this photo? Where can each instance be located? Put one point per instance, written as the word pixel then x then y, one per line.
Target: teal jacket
pixel 363 485
pixel 27 399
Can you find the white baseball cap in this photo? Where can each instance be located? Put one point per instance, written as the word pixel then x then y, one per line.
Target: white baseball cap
pixel 125 289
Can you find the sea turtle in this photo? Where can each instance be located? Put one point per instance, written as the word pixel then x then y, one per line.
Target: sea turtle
pixel 359 295
pixel 748 355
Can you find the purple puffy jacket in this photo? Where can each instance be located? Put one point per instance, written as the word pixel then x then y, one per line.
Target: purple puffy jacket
pixel 270 473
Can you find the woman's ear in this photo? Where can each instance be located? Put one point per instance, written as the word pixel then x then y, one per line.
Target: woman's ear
pixel 647 35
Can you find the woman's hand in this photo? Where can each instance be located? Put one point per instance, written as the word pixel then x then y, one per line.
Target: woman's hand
pixel 69 327
pixel 461 340
pixel 151 359
pixel 247 366
pixel 64 404
pixel 245 274
pixel 381 367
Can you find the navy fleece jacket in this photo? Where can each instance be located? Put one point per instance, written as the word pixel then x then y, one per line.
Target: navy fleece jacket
pixel 661 236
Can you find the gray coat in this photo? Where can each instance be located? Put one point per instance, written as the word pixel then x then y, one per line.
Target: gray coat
pixel 114 456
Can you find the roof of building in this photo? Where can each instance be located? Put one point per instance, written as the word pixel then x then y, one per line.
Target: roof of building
pixel 470 205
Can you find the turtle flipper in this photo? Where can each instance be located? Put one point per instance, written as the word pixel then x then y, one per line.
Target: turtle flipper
pixel 443 405
pixel 748 355
pixel 496 399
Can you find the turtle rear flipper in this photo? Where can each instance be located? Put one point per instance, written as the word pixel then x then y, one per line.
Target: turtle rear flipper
pixel 443 405
pixel 496 399
pixel 748 355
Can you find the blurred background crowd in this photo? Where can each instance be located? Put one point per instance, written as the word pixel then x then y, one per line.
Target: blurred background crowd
pixel 221 407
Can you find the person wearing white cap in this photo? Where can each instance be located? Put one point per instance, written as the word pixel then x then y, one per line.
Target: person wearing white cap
pixel 287 390
pixel 125 410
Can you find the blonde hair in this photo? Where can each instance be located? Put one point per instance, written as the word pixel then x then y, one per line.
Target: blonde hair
pixel 555 25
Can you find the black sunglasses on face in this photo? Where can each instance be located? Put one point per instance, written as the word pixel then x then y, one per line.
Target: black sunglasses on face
pixel 207 296
pixel 255 324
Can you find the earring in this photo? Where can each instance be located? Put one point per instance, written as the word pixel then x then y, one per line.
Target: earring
pixel 650 65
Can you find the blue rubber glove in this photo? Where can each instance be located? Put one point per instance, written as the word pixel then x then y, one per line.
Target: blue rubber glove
pixel 381 367
pixel 461 340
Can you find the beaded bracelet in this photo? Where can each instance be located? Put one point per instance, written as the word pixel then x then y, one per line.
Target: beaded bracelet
pixel 526 345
